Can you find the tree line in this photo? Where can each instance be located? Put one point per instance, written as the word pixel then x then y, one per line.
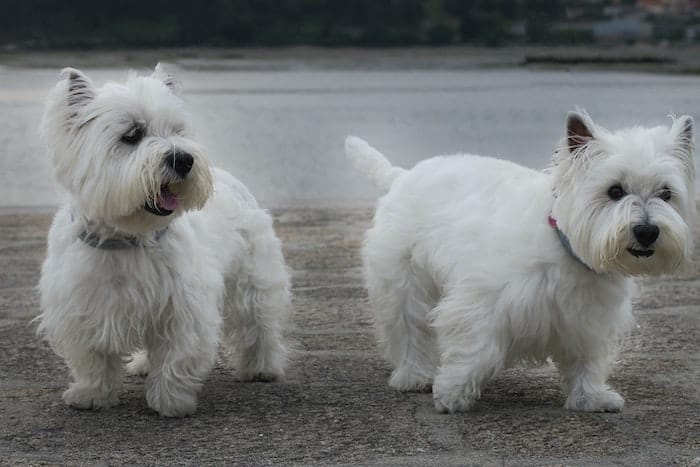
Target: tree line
pixel 156 23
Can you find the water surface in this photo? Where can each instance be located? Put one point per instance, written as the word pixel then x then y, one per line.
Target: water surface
pixel 281 131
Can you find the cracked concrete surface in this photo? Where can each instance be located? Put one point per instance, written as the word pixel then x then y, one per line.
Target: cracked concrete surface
pixel 335 407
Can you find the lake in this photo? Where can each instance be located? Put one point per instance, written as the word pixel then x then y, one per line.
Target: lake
pixel 281 130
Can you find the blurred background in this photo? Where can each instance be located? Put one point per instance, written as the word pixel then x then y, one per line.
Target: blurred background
pixel 275 86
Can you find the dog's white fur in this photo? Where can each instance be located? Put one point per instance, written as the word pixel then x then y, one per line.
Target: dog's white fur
pixel 466 276
pixel 216 269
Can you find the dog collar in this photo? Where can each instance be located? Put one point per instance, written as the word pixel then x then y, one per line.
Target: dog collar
pixel 565 241
pixel 122 242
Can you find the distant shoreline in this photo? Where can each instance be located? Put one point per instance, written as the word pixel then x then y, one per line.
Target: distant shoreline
pixel 656 59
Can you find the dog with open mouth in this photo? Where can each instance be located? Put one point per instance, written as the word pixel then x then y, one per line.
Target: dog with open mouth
pixel 474 264
pixel 156 254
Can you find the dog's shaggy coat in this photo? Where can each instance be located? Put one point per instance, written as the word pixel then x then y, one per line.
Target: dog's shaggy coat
pixel 154 252
pixel 475 263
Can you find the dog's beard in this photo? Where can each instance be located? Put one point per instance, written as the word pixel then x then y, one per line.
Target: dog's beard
pixel 620 253
pixel 164 198
pixel 607 244
pixel 168 194
pixel 138 193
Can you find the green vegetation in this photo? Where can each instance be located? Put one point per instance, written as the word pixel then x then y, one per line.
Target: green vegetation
pixel 159 23
pixel 131 23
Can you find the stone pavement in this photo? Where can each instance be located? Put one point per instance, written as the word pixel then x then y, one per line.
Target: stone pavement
pixel 335 407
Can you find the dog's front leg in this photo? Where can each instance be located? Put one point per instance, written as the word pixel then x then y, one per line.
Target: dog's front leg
pixel 97 379
pixel 179 361
pixel 583 379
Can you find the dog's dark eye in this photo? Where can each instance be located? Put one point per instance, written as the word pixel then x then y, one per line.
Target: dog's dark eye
pixel 666 195
pixel 133 136
pixel 616 192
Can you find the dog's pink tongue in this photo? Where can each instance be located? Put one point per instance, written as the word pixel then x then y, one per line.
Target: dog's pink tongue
pixel 167 199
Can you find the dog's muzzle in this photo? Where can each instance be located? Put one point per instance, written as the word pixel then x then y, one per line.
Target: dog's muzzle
pixel 177 164
pixel 645 234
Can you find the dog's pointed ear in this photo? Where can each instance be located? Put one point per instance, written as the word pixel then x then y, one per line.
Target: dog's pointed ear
pixel 579 130
pixel 167 79
pixel 80 89
pixel 682 131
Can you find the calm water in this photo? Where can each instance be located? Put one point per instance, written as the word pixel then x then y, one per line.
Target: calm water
pixel 282 132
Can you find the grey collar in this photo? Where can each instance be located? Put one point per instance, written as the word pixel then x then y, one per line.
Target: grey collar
pixel 118 242
pixel 563 239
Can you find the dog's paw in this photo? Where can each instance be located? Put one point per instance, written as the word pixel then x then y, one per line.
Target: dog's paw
pixel 606 400
pixel 451 400
pixel 89 399
pixel 139 365
pixel 261 365
pixel 406 381
pixel 175 404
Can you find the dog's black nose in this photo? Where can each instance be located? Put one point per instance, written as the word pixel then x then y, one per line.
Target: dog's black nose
pixel 180 162
pixel 646 234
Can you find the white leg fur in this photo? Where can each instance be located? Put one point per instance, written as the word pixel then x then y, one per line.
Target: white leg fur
pixel 584 382
pixel 97 378
pixel 401 307
pixel 257 307
pixel 138 365
pixel 470 357
pixel 178 371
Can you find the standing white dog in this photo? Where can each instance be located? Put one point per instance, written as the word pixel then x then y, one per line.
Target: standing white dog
pixel 476 263
pixel 155 251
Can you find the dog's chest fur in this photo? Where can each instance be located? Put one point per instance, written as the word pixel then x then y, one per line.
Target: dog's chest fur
pixel 134 291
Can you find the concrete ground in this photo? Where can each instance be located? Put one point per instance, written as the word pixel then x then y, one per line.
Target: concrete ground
pixel 335 407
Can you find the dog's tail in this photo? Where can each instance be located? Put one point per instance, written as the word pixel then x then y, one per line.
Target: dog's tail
pixel 371 162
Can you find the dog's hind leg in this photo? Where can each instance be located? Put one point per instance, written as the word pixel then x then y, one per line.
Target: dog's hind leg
pixel 257 305
pixel 471 355
pixel 401 297
pixel 138 365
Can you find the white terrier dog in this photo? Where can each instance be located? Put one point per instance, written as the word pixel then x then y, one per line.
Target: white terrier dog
pixel 474 263
pixel 155 251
